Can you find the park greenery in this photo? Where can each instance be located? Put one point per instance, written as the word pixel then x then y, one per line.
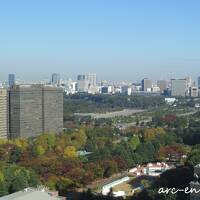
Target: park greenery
pixel 53 159
pixel 86 103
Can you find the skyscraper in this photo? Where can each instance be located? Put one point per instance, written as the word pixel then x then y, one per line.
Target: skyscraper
pixel 162 84
pixel 55 79
pixel 11 80
pixel 35 109
pixel 189 82
pixel 82 83
pixel 3 113
pixel 146 85
pixel 199 82
pixel 179 87
pixel 52 109
pixel 193 92
pixel 92 82
pixel 92 79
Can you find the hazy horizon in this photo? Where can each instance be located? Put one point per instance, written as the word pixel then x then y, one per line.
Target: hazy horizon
pixel 117 39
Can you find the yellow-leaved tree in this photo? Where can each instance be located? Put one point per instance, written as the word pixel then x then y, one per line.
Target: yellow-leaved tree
pixel 70 152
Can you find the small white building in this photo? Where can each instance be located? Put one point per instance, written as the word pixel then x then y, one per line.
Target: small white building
pixel 33 194
pixel 170 101
pixel 106 188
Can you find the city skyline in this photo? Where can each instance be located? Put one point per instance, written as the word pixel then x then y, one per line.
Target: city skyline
pixel 119 40
pixel 49 79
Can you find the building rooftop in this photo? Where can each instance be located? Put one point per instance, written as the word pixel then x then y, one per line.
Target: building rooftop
pixel 29 194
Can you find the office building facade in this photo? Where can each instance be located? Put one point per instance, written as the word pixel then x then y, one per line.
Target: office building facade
pixel 82 83
pixel 92 79
pixel 52 109
pixel 162 84
pixel 4 116
pixel 146 85
pixel 55 79
pixel 179 87
pixel 194 92
pixel 11 80
pixel 198 82
pixel 35 109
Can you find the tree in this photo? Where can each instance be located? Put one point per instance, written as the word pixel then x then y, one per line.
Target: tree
pixel 194 157
pixel 51 182
pixel 21 143
pixel 70 152
pixel 110 168
pixel 134 142
pixel 147 151
pixel 145 183
pixel 15 155
pixel 80 139
pixel 39 150
pixel 18 178
pixel 46 141
pixel 64 184
pixel 51 140
pixel 151 133
pixel 20 182
pixel 3 189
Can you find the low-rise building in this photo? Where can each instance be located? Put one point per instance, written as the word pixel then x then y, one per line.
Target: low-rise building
pixel 194 92
pixel 33 194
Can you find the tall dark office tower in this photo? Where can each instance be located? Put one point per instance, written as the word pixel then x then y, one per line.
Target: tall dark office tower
pixel 11 80
pixel 35 109
pixel 55 79
pixel 199 82
pixel 146 85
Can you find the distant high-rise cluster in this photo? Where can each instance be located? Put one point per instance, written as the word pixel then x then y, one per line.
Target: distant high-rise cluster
pixel 87 83
pixel 27 110
pixel 184 87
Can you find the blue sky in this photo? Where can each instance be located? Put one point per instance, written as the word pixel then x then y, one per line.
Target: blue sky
pixel 117 39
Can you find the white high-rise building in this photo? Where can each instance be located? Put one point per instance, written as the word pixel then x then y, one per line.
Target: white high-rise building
pixel 92 79
pixel 194 91
pixel 82 83
pixel 189 81
pixel 87 83
pixel 179 87
pixel 92 83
